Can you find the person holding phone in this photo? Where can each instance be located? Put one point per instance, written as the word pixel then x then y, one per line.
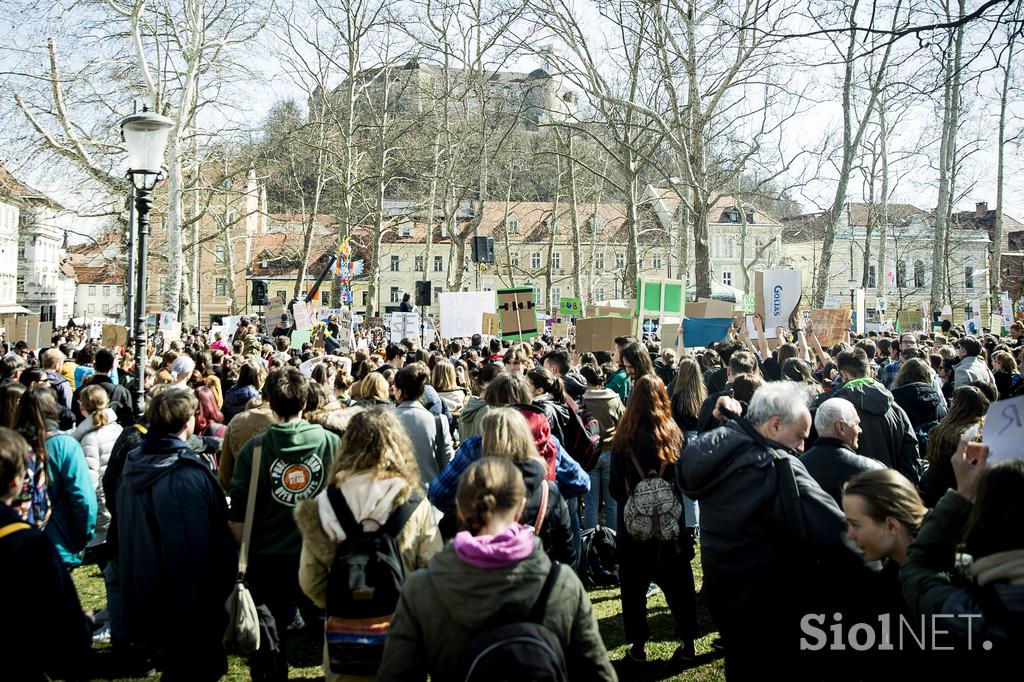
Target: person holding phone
pixel 984 603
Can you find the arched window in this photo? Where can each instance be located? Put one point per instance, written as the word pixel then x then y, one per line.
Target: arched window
pixel 918 274
pixel 901 273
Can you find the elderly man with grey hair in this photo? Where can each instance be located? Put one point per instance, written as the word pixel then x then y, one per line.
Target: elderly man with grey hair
pixel 773 543
pixel 833 460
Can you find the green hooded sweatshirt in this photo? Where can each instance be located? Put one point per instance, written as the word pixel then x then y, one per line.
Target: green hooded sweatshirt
pixel 294 464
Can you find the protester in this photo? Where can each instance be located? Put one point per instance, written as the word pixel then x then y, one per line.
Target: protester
pixel 45 633
pixel 376 473
pixel 119 398
pixel 833 459
pixel 913 390
pixel 476 407
pixel 97 435
pixel 428 433
pixel 967 410
pixel 176 558
pixel 605 406
pixel 1006 375
pixel 251 376
pixel 499 568
pixel 294 462
pixel 619 381
pixel 971 367
pixel 52 360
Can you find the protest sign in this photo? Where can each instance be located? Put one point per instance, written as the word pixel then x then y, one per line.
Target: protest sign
pixel 778 295
pixel 560 330
pixel 404 326
pixel 517 314
pixel 701 332
pixel 569 307
pixel 1004 429
pixel 489 324
pixel 598 333
pixel 462 312
pixel 113 335
pixel 829 325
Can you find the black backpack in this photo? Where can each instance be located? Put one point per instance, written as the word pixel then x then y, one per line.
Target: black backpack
pixel 363 588
pixel 599 567
pixel 522 649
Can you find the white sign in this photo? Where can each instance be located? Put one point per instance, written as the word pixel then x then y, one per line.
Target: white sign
pixel 166 319
pixel 780 293
pixel 303 316
pixel 404 326
pixel 462 312
pixel 1004 429
pixel 861 312
pixel 832 302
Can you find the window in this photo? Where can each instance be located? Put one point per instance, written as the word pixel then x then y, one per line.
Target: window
pixel 364 297
pixel 556 259
pixel 599 293
pixel 599 261
pixel 734 215
pixel 106 291
pixel 918 274
pixel 726 247
pixel 92 308
pixel 901 274
pixel 218 254
pixel 727 277
pixel 535 259
pixel 513 224
pixel 658 263
pixel 419 263
pixel 556 295
pixel 871 277
pixel 969 276
pixel 437 295
pixel 394 264
pixel 221 286
pixel 620 261
pixel 438 263
pixel 92 289
pixel 394 295
pixel 640 263
pixel 515 259
pixel 105 309
pixel 538 296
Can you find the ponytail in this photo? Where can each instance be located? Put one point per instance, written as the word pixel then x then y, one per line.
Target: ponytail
pixel 490 485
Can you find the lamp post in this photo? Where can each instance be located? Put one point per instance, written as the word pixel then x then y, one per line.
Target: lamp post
pixel 145 138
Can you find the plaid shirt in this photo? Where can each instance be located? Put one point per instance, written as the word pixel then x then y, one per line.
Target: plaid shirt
pixel 887 374
pixel 570 477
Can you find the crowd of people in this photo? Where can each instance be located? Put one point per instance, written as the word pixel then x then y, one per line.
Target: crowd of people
pixel 433 511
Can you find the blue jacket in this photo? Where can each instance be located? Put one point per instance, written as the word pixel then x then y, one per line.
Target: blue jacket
pixel 177 557
pixel 570 477
pixel 72 498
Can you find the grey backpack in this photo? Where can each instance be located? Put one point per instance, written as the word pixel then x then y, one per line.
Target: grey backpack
pixel 652 510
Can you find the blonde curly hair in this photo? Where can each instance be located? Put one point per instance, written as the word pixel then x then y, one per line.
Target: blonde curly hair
pixel 375 441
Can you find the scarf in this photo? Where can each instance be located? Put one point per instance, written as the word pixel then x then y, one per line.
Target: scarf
pixel 1007 566
pixel 495 551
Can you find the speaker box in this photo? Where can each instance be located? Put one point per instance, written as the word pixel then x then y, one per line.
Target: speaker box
pixel 259 292
pixel 423 292
pixel 483 250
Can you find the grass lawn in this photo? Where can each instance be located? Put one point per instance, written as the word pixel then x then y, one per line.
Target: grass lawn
pixel 305 647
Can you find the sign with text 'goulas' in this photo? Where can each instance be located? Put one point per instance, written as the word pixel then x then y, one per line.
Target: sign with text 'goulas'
pixel 778 295
pixel 517 314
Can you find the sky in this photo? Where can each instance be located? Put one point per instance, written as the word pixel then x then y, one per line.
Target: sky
pixel 914 177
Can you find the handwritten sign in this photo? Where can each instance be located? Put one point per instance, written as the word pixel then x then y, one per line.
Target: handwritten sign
pixel 490 324
pixel 1004 429
pixel 570 307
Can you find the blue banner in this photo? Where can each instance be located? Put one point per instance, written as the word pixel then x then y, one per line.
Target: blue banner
pixel 703 331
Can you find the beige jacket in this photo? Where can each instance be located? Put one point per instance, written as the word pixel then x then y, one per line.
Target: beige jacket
pixel 369 498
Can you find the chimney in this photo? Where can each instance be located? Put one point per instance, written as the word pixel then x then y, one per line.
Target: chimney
pixel 981 209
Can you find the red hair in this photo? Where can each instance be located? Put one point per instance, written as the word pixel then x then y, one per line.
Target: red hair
pixel 207 411
pixel 649 411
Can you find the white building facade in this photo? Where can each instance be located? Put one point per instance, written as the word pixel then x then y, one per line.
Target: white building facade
pixel 9 212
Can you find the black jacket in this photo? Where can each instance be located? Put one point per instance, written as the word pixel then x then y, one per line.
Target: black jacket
pixel 832 464
pixel 44 630
pixel 706 419
pixel 177 557
pixel 768 558
pixel 120 399
pixel 666 373
pixel 921 402
pixel 715 379
pixel 558 417
pixel 686 422
pixel 888 435
pixel 556 530
pixel 575 385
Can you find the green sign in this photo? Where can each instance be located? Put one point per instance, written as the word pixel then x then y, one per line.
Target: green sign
pixel 748 304
pixel 660 297
pixel 570 307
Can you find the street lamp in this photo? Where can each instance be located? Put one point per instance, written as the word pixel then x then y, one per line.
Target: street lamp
pixel 145 137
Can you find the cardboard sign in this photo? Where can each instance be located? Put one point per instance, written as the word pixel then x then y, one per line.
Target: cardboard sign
pixel 570 307
pixel 778 295
pixel 489 324
pixel 598 333
pixel 461 312
pixel 31 330
pixel 517 313
pixel 560 330
pixel 706 307
pixel 670 336
pixel 910 320
pixel 113 335
pixel 609 311
pixel 829 325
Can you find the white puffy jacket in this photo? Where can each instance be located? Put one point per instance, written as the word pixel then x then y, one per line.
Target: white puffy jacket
pixel 98 443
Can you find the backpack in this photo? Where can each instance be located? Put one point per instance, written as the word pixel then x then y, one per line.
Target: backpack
pixel 652 510
pixel 599 567
pixel 519 650
pixel 922 438
pixel 363 588
pixel 583 436
pixel 33 503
